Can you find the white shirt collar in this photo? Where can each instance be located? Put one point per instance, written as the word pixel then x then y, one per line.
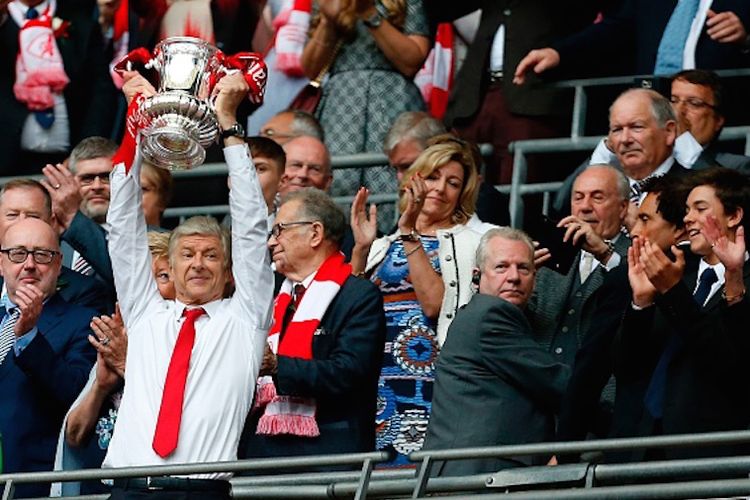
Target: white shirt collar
pixel 687 149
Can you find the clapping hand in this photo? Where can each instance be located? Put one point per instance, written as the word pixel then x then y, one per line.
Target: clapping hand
pixel 364 227
pixel 643 291
pixel 29 299
pixel 63 190
pixel 414 194
pixel 661 271
pixel 730 253
pixel 110 339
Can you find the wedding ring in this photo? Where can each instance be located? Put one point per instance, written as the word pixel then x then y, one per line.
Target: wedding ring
pixel 104 341
pixel 57 186
pixel 417 200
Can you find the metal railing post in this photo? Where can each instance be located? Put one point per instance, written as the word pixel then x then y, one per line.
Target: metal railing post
pixel 580 106
pixel 8 490
pixel 364 480
pixel 515 204
pixel 424 475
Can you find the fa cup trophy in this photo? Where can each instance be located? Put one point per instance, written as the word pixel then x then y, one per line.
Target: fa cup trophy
pixel 179 122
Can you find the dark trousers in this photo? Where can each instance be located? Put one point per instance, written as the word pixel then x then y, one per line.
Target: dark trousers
pixel 171 489
pixel 128 494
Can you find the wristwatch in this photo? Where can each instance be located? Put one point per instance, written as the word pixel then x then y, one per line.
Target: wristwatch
pixel 412 236
pixel 236 130
pixel 376 19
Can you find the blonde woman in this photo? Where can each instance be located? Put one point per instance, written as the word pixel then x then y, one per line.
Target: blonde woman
pixel 424 273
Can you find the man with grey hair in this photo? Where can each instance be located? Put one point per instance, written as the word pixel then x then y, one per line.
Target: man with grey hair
pixel 292 123
pixel 80 200
pixel 642 135
pixel 326 345
pixel 494 385
pixel 408 137
pixel 193 361
pixel 565 299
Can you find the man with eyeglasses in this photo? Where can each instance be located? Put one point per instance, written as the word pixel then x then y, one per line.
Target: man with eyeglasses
pixel 22 199
pixel 80 200
pixel 318 389
pixel 45 355
pixel 697 97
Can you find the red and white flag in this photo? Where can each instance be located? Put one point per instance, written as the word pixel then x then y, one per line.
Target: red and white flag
pixel 435 79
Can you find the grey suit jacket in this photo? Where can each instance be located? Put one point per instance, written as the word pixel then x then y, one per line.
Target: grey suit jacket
pixel 552 293
pixel 494 385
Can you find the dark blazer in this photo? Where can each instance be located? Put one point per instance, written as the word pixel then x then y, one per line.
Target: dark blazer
pixel 529 24
pixel 580 410
pixel 710 157
pixel 549 304
pixel 38 387
pixel 494 385
pixel 90 240
pixel 90 96
pixel 706 378
pixel 342 377
pixel 637 27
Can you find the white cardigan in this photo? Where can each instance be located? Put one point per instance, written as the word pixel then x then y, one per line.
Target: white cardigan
pixel 457 248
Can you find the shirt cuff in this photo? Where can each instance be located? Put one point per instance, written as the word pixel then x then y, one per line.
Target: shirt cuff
pixel 639 308
pixel 613 262
pixel 24 340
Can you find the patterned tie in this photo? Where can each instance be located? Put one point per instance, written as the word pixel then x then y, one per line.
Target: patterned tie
pixel 587 266
pixel 672 45
pixel 299 291
pixel 170 413
pixel 44 118
pixel 7 336
pixel 82 266
pixel 654 397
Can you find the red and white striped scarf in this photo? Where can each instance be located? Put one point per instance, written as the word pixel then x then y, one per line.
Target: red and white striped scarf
pixel 39 66
pixel 289 414
pixel 120 40
pixel 291 36
pixel 436 76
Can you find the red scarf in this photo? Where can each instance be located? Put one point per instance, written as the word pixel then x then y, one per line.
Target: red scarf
pixel 291 37
pixel 39 67
pixel 288 414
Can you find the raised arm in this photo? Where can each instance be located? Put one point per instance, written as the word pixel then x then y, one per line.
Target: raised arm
pixel 128 243
pixel 251 266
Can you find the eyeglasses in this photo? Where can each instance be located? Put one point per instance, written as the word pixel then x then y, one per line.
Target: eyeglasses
pixel 18 255
pixel 88 179
pixel 692 102
pixel 281 226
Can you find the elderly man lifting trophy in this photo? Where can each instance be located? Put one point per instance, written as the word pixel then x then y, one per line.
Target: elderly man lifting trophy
pixel 176 116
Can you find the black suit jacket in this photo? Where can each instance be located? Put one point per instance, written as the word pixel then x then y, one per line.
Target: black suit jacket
pixel 342 377
pixel 90 96
pixel 706 379
pixel 494 385
pixel 636 28
pixel 38 387
pixel 529 24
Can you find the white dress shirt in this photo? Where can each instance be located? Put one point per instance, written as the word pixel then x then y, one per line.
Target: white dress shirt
pixel 229 340
pixel 699 24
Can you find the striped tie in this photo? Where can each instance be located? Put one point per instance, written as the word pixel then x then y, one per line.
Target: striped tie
pixel 7 337
pixel 82 266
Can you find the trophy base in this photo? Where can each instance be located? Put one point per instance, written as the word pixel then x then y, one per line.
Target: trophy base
pixel 179 127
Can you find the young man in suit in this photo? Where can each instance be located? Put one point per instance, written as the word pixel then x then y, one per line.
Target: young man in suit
pixel 494 385
pixel 321 372
pixel 685 326
pixel 45 356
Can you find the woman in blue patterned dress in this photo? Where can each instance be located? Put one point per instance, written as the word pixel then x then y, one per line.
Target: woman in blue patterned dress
pixel 424 273
pixel 381 46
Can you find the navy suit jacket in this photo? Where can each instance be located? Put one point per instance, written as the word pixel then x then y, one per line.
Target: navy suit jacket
pixel 38 387
pixel 342 377
pixel 637 28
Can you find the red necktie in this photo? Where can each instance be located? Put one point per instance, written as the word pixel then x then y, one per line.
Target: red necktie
pixel 170 413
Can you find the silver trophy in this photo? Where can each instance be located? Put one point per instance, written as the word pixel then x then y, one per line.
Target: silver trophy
pixel 179 122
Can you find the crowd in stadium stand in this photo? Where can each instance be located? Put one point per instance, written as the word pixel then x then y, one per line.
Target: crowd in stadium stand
pixel 293 328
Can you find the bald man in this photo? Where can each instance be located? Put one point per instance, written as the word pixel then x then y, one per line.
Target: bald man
pixel 308 164
pixel 45 356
